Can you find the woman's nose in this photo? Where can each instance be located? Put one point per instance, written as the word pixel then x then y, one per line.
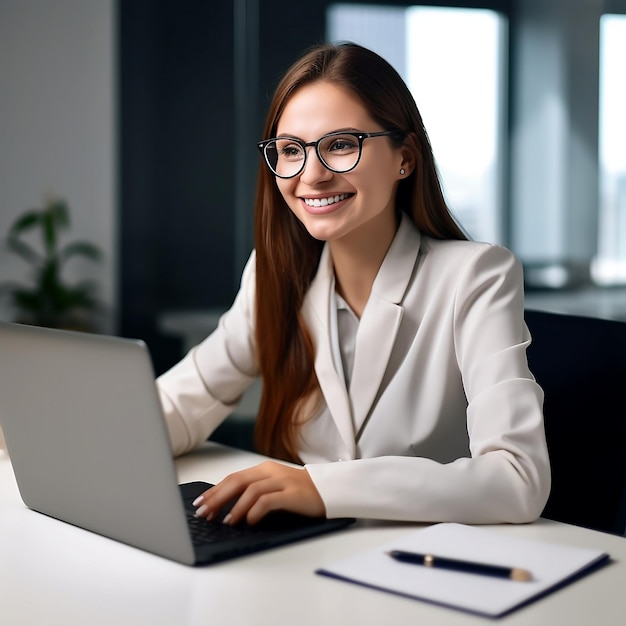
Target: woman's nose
pixel 314 170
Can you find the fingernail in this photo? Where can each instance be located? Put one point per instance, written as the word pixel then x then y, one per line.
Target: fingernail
pixel 197 501
pixel 227 519
pixel 202 510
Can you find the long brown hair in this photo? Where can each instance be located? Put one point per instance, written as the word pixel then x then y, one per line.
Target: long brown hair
pixel 287 256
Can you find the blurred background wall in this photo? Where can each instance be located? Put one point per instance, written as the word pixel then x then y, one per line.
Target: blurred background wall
pixel 58 127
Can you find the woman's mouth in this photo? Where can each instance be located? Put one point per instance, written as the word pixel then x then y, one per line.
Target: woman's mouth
pixel 323 202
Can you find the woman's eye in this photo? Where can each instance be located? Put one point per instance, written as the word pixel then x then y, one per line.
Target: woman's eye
pixel 342 145
pixel 291 151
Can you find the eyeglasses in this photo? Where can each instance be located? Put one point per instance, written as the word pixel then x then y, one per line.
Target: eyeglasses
pixel 339 152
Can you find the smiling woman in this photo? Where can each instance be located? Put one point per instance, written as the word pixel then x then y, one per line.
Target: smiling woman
pixel 363 174
pixel 389 346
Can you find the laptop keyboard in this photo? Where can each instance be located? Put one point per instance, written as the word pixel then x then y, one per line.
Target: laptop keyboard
pixel 203 532
pixel 270 529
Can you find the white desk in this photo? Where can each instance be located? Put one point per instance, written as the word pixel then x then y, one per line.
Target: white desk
pixel 54 574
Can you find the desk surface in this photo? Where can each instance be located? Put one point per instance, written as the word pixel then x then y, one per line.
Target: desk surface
pixel 54 574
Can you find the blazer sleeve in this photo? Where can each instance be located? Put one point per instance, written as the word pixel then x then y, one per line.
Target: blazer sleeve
pixel 506 476
pixel 207 384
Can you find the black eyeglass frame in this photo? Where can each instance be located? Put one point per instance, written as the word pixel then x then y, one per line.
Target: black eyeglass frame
pixel 360 136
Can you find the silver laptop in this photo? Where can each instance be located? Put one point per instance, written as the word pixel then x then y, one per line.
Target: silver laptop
pixel 89 445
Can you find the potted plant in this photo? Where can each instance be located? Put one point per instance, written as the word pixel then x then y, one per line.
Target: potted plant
pixel 48 300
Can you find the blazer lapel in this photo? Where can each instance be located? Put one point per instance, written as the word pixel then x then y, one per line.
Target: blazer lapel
pixel 376 336
pixel 380 322
pixel 316 312
pixel 375 340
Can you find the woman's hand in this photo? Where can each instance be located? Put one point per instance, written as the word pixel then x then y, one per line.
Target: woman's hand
pixel 267 487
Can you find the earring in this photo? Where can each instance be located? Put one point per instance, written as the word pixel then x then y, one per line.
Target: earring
pixel 402 171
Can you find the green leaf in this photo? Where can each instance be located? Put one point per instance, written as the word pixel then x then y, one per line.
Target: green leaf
pixel 49 232
pixel 24 250
pixel 60 213
pixel 55 216
pixel 25 223
pixel 81 248
pixel 27 300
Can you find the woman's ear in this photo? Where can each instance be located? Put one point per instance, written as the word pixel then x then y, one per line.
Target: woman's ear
pixel 409 159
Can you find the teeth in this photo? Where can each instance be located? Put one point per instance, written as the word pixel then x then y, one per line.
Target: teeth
pixel 325 201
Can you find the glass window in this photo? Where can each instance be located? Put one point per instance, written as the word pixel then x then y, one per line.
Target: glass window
pixel 454 61
pixel 610 265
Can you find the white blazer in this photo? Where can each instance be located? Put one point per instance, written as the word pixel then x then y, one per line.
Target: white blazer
pixel 443 420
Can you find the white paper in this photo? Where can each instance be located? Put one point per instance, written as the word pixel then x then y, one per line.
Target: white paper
pixel 549 564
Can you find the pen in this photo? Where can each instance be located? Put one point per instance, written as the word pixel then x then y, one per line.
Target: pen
pixel 429 560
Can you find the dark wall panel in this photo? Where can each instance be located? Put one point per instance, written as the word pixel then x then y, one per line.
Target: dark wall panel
pixel 176 163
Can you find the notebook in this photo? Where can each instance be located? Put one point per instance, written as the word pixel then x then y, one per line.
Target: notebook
pixel 89 446
pixel 551 566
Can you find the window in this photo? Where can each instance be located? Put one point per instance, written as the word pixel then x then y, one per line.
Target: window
pixel 610 265
pixel 453 61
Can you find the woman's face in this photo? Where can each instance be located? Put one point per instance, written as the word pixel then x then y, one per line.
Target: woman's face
pixel 335 206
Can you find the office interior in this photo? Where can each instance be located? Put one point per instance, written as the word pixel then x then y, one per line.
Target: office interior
pixel 143 115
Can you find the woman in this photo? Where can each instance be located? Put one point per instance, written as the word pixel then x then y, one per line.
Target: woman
pixel 392 350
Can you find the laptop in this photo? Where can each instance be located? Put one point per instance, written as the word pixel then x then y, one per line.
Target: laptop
pixel 89 446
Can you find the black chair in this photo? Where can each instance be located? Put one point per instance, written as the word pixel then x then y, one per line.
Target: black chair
pixel 581 364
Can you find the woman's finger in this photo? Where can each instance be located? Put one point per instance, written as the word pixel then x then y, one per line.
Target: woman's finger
pixel 210 503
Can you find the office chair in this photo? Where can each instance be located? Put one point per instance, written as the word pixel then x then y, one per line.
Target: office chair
pixel 581 364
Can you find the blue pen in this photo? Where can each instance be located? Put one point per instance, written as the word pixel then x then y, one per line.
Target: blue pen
pixel 470 567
